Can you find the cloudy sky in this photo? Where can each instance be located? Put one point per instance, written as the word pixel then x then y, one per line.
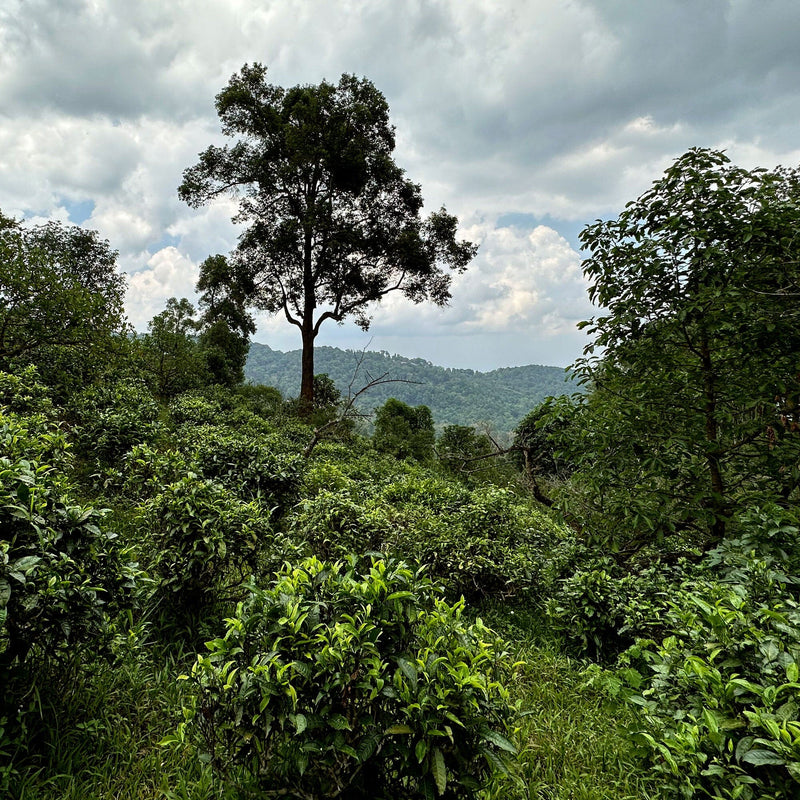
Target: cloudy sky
pixel 526 118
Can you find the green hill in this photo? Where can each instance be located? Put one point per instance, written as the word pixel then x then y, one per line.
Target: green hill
pixel 455 396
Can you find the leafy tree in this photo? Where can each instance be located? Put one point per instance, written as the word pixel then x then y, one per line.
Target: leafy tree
pixel 326 395
pixel 59 292
pixel 464 451
pixel 334 224
pixel 403 431
pixel 172 355
pixel 225 326
pixel 538 443
pixel 693 404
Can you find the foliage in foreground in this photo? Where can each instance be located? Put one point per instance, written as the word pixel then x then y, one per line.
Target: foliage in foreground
pixel 691 414
pixel 60 568
pixel 353 680
pixel 719 688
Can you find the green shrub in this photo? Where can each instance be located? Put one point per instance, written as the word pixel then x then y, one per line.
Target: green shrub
pixel 265 469
pixel 195 408
pixel 112 419
pixel 351 465
pixel 34 438
pixel 206 542
pixel 323 476
pixel 22 393
pixel 263 401
pixel 600 611
pixel 146 470
pixel 404 431
pixel 350 680
pixel 477 542
pixel 720 695
pixel 59 568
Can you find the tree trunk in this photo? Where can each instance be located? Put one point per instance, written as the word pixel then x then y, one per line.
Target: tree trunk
pixel 712 442
pixel 307 373
pixel 309 304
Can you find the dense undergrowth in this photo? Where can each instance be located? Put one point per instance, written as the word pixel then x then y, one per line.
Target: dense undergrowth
pixel 324 596
pixel 190 608
pixel 211 592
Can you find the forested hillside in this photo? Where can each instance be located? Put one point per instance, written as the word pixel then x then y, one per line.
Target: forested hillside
pixel 455 396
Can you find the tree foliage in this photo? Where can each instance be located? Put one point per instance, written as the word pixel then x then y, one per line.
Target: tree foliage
pixel 172 358
pixel 334 224
pixel 60 291
pixel 693 404
pixel 403 431
pixel 224 325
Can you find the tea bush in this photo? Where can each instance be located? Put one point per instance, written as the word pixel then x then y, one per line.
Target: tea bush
pixel 720 695
pixel 263 401
pixel 206 542
pixel 600 611
pixel 485 541
pixel 59 569
pixel 145 470
pixel 195 408
pixel 335 465
pixel 112 419
pixel 353 679
pixel 22 393
pixel 266 468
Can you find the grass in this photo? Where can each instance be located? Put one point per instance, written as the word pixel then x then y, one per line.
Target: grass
pixel 570 736
pixel 101 739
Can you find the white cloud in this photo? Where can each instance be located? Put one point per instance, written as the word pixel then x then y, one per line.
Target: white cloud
pixel 167 274
pixel 521 297
pixel 552 110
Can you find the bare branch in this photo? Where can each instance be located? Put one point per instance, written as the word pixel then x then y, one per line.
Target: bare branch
pixel 348 409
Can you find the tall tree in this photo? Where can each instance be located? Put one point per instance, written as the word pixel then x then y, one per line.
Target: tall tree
pixel 334 225
pixel 60 291
pixel 693 409
pixel 172 355
pixel 225 326
pixel 404 431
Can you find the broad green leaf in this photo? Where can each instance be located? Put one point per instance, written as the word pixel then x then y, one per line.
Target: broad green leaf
pixel 395 730
pixel 409 670
pixel 760 758
pixel 439 770
pixel 27 563
pixel 339 723
pixel 499 741
pixel 421 750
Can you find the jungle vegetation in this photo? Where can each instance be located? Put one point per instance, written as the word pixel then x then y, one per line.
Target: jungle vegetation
pixel 208 590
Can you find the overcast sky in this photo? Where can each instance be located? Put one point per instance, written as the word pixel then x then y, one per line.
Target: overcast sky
pixel 525 118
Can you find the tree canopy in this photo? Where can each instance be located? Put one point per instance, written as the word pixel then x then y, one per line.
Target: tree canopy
pixel 334 225
pixel 59 291
pixel 693 407
pixel 403 431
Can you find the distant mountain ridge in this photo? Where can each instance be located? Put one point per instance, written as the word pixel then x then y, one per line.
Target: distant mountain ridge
pixel 455 396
